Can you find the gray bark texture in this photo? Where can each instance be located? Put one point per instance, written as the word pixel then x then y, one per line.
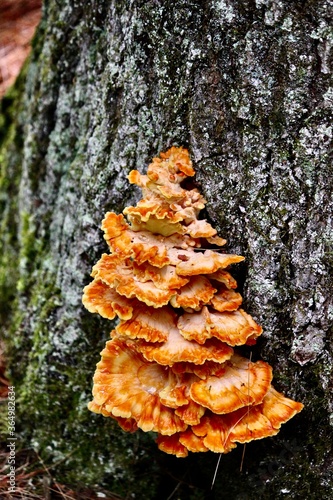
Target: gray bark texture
pixel 246 86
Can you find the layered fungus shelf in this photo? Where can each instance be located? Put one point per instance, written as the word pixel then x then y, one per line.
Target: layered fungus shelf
pixel 171 365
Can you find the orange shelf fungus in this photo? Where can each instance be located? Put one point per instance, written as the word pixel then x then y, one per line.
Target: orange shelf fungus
pixel 171 366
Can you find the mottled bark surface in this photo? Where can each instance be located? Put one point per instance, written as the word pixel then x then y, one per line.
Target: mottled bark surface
pixel 247 87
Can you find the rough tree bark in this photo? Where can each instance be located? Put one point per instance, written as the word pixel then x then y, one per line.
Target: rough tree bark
pixel 246 85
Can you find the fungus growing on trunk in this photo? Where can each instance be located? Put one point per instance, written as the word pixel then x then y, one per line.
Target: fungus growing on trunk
pixel 171 366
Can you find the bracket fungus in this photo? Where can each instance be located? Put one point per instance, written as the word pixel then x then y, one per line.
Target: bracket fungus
pixel 171 366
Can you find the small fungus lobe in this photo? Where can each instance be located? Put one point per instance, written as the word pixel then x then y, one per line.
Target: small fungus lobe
pixel 171 365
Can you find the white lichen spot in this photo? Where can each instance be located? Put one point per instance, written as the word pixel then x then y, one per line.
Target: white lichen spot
pixel 324 35
pixel 328 98
pixel 287 24
pixel 274 11
pixel 308 346
pixel 225 10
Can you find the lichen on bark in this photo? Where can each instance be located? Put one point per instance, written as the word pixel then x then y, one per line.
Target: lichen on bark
pixel 247 87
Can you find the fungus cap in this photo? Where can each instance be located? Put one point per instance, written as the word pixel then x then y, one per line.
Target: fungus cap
pixel 176 349
pixel 150 327
pixel 172 445
pixel 234 328
pixel 238 383
pixel 197 292
pixel 119 274
pixel 99 298
pixel 247 424
pixel 127 386
pixel 206 263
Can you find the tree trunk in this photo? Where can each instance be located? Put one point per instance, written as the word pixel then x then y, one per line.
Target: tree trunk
pixel 246 86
